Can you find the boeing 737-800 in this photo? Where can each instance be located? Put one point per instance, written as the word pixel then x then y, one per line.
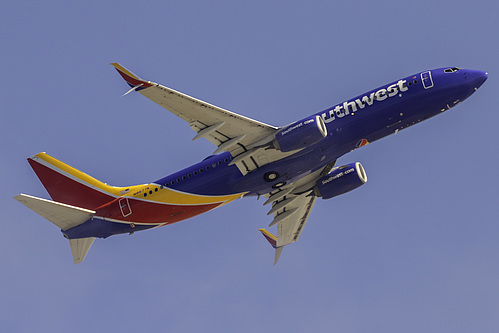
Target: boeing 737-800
pixel 291 166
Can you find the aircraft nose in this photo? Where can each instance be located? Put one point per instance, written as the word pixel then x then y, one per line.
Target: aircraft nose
pixel 476 78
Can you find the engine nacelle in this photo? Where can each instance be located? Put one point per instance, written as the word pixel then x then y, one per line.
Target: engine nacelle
pixel 341 180
pixel 301 134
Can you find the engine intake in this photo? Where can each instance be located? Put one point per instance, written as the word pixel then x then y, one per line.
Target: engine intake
pixel 341 180
pixel 301 134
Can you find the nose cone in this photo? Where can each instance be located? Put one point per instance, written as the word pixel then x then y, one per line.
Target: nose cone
pixel 476 78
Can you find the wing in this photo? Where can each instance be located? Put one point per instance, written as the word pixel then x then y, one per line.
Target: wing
pixel 243 137
pixel 291 213
pixel 291 207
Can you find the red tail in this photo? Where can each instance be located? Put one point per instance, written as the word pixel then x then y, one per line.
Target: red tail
pixel 67 185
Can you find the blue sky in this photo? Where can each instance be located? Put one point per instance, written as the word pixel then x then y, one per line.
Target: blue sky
pixel 415 249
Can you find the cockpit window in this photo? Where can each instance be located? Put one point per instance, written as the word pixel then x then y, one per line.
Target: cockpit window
pixel 451 70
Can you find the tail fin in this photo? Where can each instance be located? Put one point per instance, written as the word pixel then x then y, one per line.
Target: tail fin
pixel 273 241
pixel 65 217
pixel 67 185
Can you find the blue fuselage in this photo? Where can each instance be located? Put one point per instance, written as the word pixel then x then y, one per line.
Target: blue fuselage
pixel 350 125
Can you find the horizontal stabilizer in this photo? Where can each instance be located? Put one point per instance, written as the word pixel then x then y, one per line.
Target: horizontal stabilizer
pixel 80 247
pixel 62 215
pixel 65 217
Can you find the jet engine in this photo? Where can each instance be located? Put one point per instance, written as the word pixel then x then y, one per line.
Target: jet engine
pixel 301 134
pixel 341 180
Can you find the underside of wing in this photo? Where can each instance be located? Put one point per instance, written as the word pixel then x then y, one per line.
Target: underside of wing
pixel 291 213
pixel 291 219
pixel 291 208
pixel 246 139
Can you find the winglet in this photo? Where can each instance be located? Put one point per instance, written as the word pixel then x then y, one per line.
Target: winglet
pixel 269 237
pixel 133 80
pixel 273 241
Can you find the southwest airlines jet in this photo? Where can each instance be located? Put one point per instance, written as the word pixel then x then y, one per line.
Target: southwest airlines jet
pixel 291 166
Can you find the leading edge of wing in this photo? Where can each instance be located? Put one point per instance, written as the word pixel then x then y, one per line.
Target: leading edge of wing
pixel 135 81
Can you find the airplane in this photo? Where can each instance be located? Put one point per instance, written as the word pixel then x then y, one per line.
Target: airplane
pixel 291 166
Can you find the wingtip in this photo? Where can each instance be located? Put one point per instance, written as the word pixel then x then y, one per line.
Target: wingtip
pixel 119 68
pixel 272 241
pixel 269 237
pixel 132 79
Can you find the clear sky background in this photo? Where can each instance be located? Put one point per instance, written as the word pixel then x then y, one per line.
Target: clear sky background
pixel 414 250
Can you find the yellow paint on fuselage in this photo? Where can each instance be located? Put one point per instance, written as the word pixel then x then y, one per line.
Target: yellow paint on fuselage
pixel 148 192
pixel 163 194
